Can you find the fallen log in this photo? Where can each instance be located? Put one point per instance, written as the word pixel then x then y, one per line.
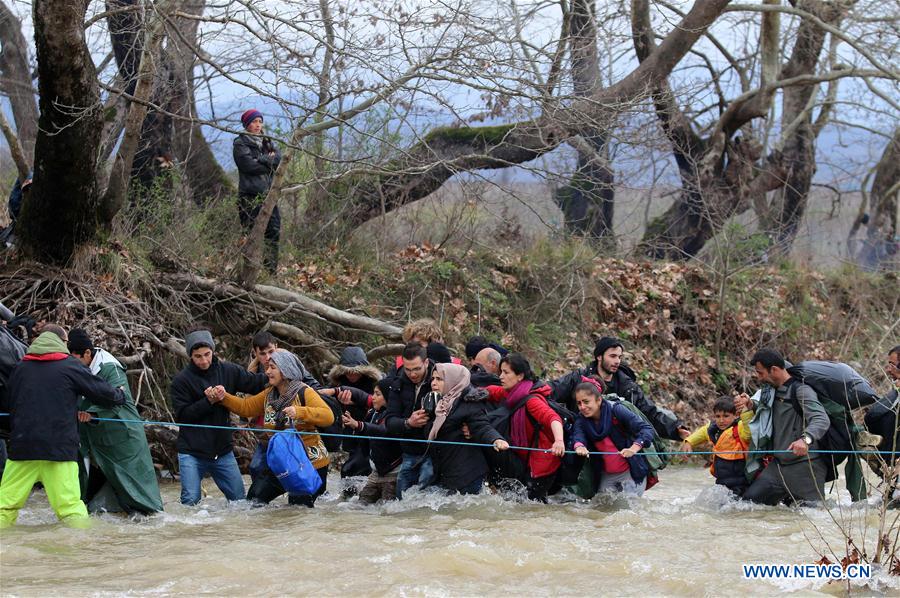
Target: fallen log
pixel 284 299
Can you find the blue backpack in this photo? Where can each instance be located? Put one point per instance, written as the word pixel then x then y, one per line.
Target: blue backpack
pixel 289 463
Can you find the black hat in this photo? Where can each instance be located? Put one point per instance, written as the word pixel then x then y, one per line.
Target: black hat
pixel 605 344
pixel 79 341
pixel 475 345
pixel 385 385
pixel 439 353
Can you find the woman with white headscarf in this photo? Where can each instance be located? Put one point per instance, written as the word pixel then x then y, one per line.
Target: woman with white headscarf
pixel 460 468
pixel 286 403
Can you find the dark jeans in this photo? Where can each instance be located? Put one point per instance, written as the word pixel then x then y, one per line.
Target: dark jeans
pixel 267 488
pixel 798 482
pixel 257 463
pixel 248 209
pixel 474 488
pixel 539 488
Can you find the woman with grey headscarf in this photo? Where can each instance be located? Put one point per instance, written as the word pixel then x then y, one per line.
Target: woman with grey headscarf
pixel 457 467
pixel 287 402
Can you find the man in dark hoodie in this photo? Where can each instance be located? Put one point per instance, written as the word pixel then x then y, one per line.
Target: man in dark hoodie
pixel 618 379
pixel 207 450
pixel 43 447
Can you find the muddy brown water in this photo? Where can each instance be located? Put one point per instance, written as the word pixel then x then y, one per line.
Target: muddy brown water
pixel 683 538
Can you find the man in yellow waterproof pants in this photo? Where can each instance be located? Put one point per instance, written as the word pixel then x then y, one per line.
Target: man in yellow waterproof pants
pixel 43 445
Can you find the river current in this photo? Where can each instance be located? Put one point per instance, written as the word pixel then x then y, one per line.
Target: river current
pixel 684 537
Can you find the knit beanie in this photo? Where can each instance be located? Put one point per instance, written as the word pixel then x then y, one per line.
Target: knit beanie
pixel 248 116
pixel 198 338
pixel 605 344
pixel 439 353
pixel 475 345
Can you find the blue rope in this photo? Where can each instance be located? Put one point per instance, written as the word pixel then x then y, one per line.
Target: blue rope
pixel 451 442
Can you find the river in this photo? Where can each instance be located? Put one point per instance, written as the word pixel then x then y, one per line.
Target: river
pixel 683 538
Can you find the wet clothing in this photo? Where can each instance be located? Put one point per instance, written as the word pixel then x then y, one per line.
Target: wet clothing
pixel 405 396
pixel 60 480
pixel 540 463
pixel 380 487
pixel 457 467
pixel 119 450
pixel 43 446
pixel 802 481
pixel 881 419
pixel 223 470
pixel 266 488
pixel 354 361
pixel 776 424
pixel 729 463
pixel 43 401
pixel 385 455
pixel 617 428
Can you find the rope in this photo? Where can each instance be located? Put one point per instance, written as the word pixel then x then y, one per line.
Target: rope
pixel 455 443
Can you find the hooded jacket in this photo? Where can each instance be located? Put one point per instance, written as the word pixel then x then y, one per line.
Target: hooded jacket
pixel 192 407
pixel 354 361
pixel 457 466
pixel 44 391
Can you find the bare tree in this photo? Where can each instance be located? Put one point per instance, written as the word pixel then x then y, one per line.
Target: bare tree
pixel 725 172
pixel 15 80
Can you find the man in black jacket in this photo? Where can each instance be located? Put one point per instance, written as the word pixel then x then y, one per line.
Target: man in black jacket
pixel 207 450
pixel 407 419
pixel 257 158
pixel 618 379
pixel 44 390
pixel 486 368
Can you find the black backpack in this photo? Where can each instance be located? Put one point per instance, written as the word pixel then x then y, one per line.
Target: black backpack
pixel 507 464
pixel 835 381
pixel 332 443
pixel 840 435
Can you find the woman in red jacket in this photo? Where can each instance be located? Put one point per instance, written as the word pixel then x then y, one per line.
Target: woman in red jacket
pixel 522 394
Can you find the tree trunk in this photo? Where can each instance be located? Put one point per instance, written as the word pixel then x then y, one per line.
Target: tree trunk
pixel 798 156
pixel 162 140
pixel 16 80
pixel 203 174
pixel 881 244
pixel 138 148
pixel 587 201
pixel 61 212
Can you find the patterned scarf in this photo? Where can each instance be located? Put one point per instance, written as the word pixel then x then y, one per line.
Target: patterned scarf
pixel 279 402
